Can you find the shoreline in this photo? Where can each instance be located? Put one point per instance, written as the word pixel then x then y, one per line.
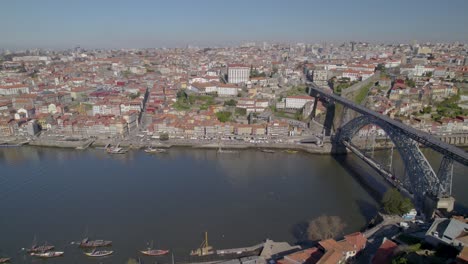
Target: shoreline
pixel 311 149
pixel 325 149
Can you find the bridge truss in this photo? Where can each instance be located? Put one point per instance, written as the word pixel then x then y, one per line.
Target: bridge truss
pixel 421 179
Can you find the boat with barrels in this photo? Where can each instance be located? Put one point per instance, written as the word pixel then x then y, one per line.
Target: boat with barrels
pixel 86 243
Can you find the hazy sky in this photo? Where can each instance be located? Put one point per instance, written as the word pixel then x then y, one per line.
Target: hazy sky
pixel 153 23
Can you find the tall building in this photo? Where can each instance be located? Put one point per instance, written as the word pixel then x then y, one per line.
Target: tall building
pixel 238 73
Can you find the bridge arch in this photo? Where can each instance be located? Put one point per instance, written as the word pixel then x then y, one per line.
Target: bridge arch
pixel 421 178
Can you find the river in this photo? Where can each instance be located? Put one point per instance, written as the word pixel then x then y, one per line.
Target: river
pixel 61 195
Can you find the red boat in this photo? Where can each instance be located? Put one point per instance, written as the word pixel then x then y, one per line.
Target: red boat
pixel 154 252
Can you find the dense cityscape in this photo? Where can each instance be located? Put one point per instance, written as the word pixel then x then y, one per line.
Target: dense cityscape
pixel 252 93
pixel 271 132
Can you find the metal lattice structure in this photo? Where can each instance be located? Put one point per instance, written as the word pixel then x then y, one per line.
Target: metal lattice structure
pixel 420 178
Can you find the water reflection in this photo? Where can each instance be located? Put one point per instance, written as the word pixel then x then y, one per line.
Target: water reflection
pixel 172 198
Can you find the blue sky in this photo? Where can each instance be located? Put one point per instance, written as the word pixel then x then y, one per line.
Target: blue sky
pixel 146 23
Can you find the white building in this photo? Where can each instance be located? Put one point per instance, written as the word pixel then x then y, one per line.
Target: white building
pixel 297 102
pixel 354 75
pixel 392 63
pixel 226 90
pixel 14 89
pixel 238 73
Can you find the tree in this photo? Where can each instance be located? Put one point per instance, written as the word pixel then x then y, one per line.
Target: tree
pixel 164 136
pixel 325 227
pixel 231 102
pixel 241 111
pixel 394 203
pixel 223 116
pixel 427 110
pixel 400 260
pixel 410 83
pixel 380 67
pixel 133 96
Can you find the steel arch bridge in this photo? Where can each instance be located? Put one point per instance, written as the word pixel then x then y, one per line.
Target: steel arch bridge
pixel 421 179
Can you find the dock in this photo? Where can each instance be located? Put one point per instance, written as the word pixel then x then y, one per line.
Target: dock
pixel 86 145
pixel 11 144
pixel 239 250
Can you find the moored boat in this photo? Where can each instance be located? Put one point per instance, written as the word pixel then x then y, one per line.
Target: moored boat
pixel 224 151
pixel 267 151
pixel 204 248
pixel 86 243
pixel 155 150
pixel 40 249
pixel 154 252
pixel 99 253
pixel 49 254
pixel 5 260
pixel 291 151
pixel 116 150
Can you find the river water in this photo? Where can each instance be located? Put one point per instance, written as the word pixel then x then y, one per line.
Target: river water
pixel 60 196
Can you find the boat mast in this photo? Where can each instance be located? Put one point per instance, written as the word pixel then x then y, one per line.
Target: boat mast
pixel 206 239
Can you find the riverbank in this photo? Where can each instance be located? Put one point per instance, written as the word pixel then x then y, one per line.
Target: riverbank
pixel 132 144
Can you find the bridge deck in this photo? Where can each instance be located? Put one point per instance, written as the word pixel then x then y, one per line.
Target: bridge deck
pixel 424 138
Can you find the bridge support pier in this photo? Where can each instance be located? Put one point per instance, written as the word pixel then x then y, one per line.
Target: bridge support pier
pixel 314 108
pixel 328 124
pixel 445 175
pixel 432 203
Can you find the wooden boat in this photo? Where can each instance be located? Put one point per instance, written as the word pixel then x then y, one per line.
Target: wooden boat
pixel 49 254
pixel 204 248
pixel 116 150
pixel 86 243
pixel 40 249
pixel 5 260
pixel 223 151
pixel 154 252
pixel 155 150
pixel 99 253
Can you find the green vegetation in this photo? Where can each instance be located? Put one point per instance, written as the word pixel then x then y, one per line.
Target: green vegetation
pixel 400 260
pixel 163 136
pixel 449 108
pixel 231 102
pixel 394 203
pixel 223 116
pixel 381 67
pixel 133 96
pixel 298 115
pixel 410 83
pixel 341 84
pixel 186 102
pixel 241 111
pixel 362 94
pixel 426 110
pixel 255 73
pixel 297 90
